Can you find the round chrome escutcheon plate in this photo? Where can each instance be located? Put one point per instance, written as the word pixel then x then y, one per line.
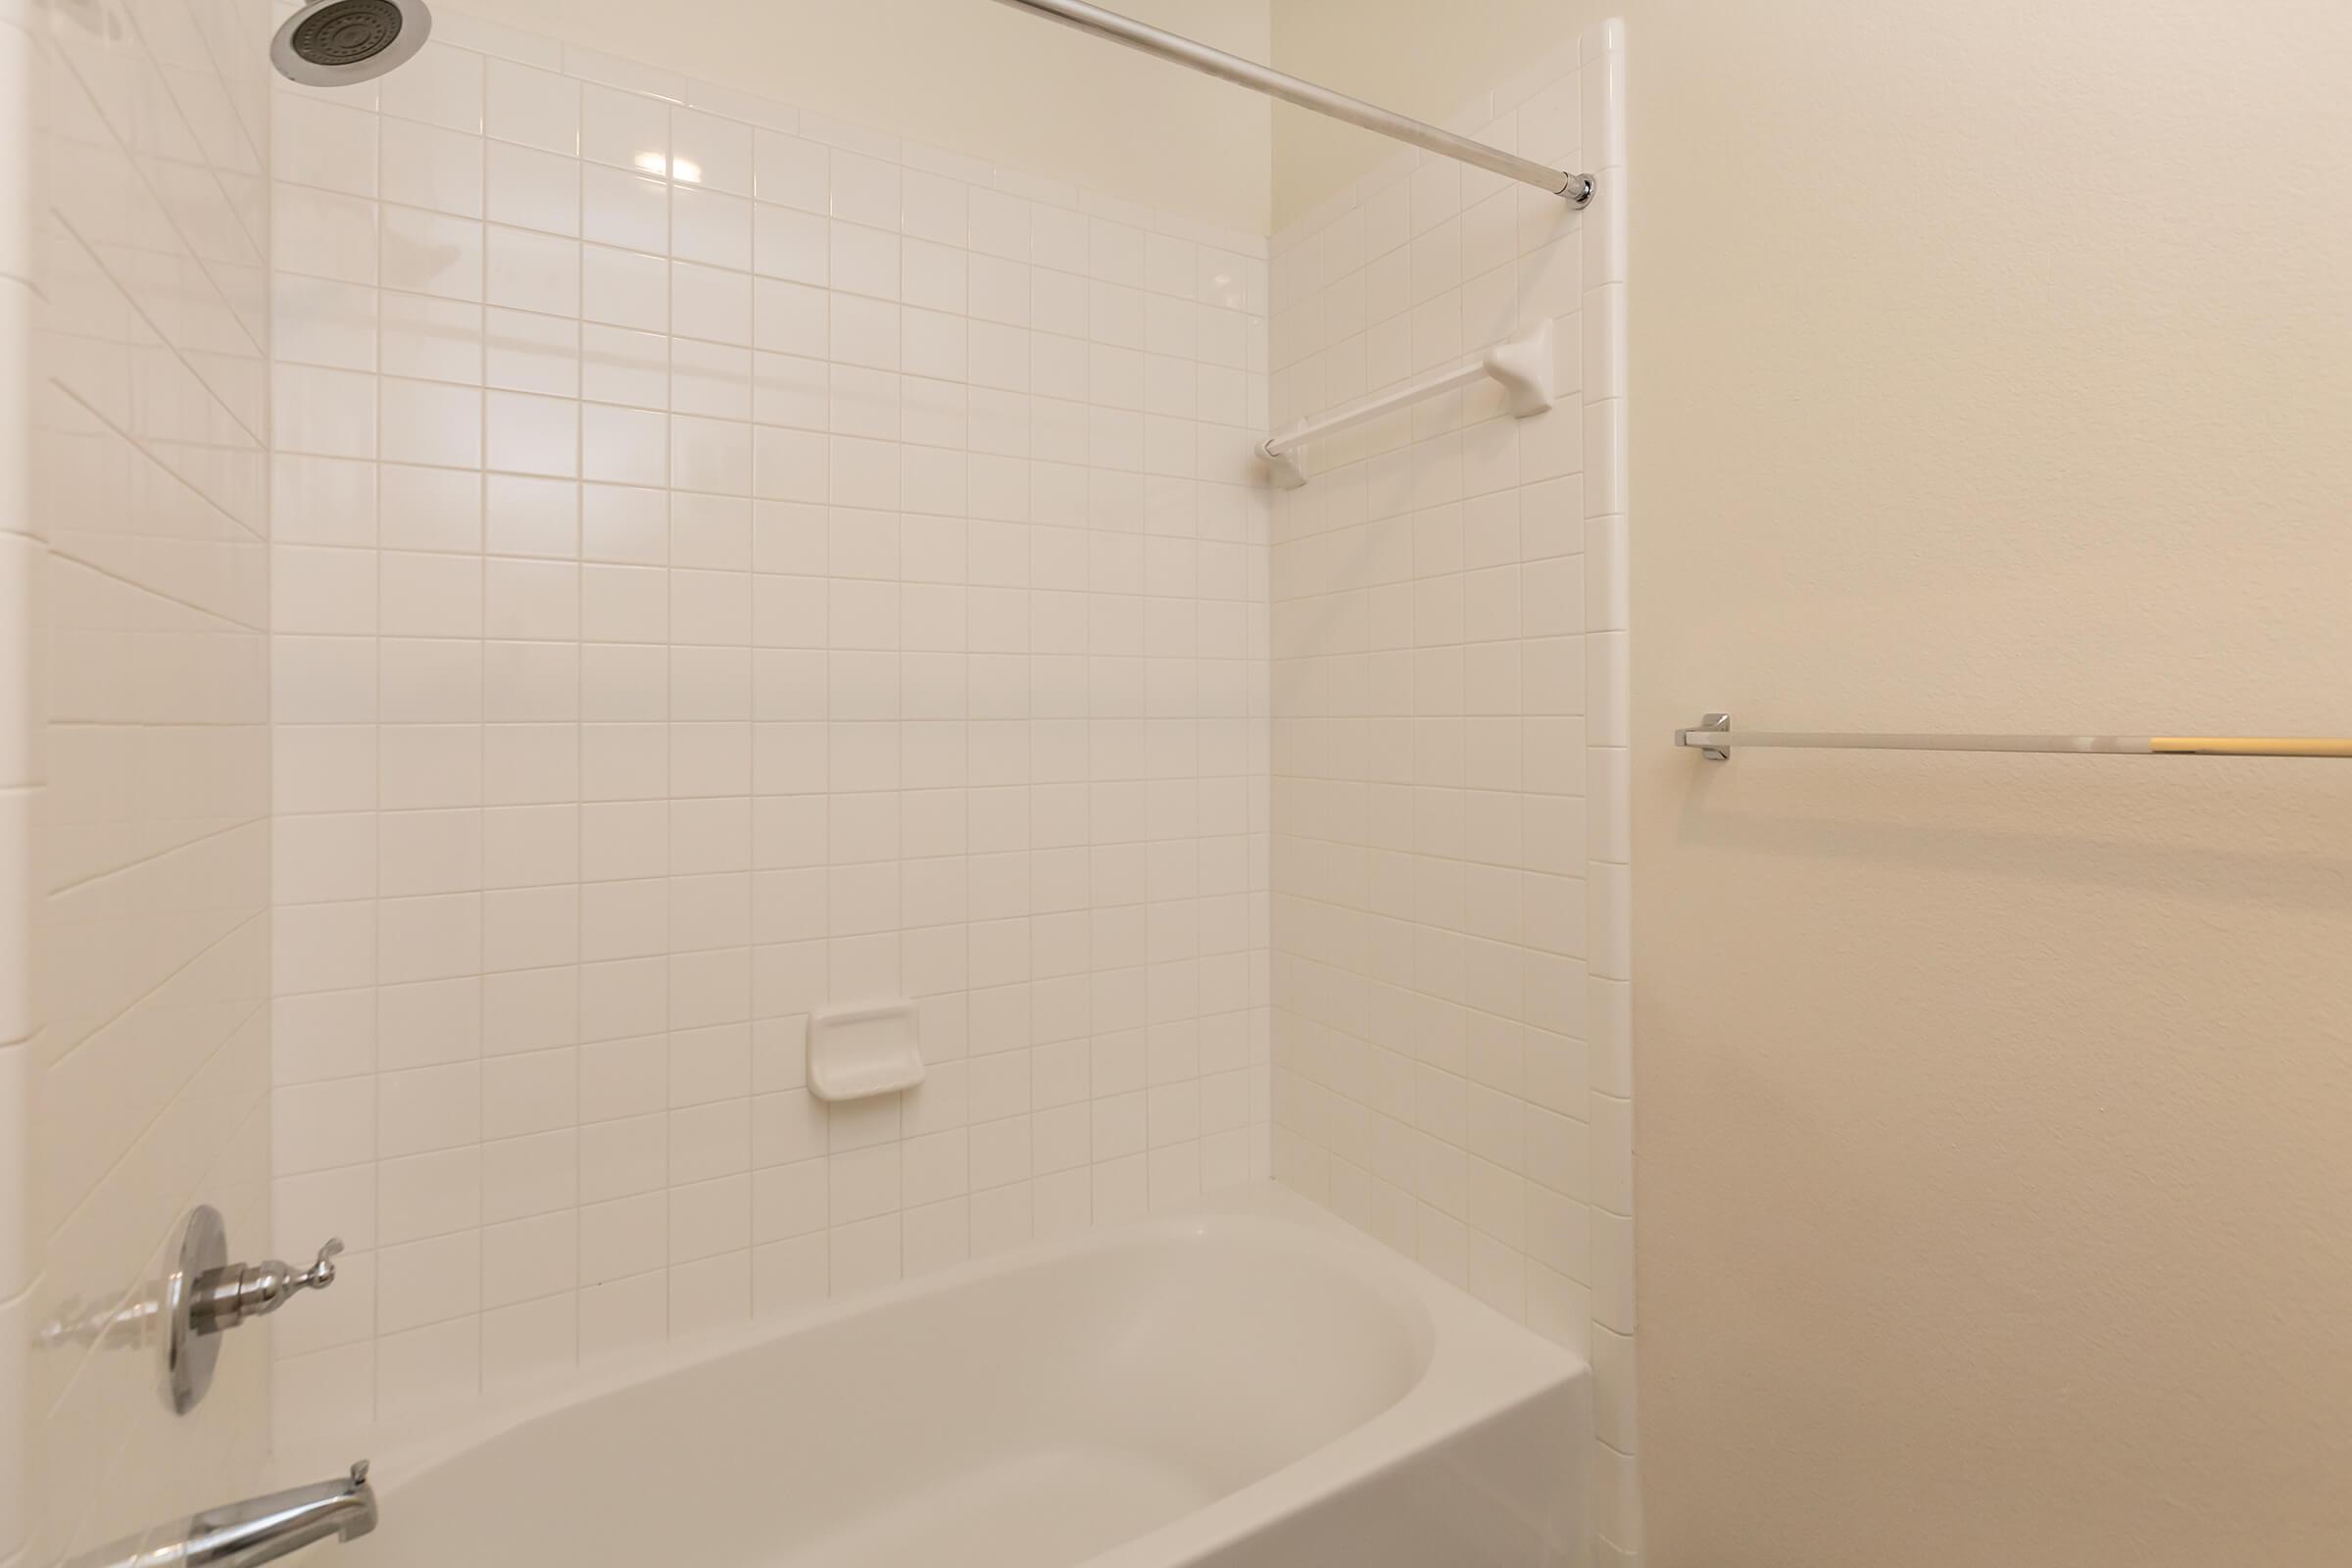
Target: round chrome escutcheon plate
pixel 188 1356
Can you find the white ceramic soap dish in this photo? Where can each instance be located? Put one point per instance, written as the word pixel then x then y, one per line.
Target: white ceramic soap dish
pixel 858 1053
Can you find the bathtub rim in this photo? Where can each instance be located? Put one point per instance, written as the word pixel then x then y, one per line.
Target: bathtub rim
pixel 1475 1365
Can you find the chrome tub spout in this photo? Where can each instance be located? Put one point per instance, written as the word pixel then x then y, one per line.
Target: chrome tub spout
pixel 245 1534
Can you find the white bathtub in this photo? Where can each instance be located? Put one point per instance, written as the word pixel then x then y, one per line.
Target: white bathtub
pixel 1248 1384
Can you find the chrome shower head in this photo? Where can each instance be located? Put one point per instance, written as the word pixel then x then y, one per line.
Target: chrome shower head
pixel 333 43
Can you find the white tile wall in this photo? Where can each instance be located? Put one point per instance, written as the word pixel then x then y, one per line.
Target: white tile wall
pixel 145 530
pixel 1451 909
pixel 726 563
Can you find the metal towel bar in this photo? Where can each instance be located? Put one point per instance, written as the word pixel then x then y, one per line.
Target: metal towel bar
pixel 1715 739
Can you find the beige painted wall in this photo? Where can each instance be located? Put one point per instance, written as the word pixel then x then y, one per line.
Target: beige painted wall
pixel 1991 369
pixel 974 76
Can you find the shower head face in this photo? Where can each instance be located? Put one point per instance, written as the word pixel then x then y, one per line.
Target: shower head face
pixel 333 43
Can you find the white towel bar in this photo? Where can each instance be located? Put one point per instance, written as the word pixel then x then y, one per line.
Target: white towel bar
pixel 1522 363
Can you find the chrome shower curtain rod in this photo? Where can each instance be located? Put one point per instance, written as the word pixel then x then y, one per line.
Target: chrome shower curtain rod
pixel 1576 189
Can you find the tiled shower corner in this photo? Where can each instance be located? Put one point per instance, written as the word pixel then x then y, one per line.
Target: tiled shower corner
pixel 1451 906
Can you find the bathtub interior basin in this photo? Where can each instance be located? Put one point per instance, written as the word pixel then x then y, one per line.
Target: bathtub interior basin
pixel 1153 1394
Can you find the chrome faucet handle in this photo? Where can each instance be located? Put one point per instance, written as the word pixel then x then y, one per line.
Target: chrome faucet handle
pixel 207 1295
pixel 225 1297
pixel 317 1277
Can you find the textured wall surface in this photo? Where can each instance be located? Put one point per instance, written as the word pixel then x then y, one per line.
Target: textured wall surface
pixel 835 572
pixel 150 412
